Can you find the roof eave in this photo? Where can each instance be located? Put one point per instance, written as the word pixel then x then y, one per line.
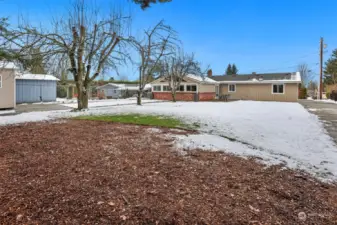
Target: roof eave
pixel 261 82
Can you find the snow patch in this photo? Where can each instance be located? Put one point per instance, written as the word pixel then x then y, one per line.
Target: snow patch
pixel 7 111
pixel 110 102
pixel 325 170
pixel 324 100
pixel 154 130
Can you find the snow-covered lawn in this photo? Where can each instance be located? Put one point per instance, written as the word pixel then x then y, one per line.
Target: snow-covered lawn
pixel 107 102
pixel 7 111
pixel 273 131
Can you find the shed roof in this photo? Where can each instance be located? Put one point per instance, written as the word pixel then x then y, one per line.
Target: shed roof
pixel 29 76
pixel 7 65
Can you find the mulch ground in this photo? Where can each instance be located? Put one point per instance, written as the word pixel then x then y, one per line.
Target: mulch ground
pixel 82 172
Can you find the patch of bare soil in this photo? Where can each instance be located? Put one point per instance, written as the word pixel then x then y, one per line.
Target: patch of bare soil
pixel 83 172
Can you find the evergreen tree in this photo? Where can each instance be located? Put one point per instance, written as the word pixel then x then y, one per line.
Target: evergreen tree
pixel 229 70
pixel 330 69
pixel 234 69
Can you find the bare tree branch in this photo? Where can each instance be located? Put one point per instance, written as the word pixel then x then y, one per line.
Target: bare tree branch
pixel 176 67
pixel 80 40
pixel 159 41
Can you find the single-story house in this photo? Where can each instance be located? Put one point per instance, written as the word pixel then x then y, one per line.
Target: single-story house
pixel 120 90
pixel 18 88
pixel 192 88
pixel 283 87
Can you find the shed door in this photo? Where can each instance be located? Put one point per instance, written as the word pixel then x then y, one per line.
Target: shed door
pixel 30 91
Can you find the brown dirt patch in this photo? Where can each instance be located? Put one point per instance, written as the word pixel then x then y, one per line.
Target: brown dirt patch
pixel 83 172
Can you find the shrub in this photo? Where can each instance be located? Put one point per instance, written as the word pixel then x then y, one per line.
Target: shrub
pixel 61 91
pixel 328 95
pixel 333 95
pixel 303 93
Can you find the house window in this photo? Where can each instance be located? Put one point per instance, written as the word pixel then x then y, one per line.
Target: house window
pixel 231 88
pixel 278 88
pixel 0 81
pixel 181 88
pixel 115 91
pixel 166 88
pixel 157 88
pixel 191 87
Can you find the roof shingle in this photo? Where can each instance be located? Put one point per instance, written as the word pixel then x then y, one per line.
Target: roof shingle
pixel 250 77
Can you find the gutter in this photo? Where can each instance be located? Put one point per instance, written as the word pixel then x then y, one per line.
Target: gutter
pixel 262 82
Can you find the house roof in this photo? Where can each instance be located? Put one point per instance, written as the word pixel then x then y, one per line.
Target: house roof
pixel 125 86
pixel 29 76
pixel 198 79
pixel 259 78
pixel 201 79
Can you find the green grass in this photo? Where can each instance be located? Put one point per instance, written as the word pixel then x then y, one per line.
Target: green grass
pixel 150 120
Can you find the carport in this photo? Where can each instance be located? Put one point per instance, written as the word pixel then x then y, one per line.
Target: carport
pixel 32 88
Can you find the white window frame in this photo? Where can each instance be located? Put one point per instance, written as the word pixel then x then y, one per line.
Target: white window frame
pixel 153 90
pixel 0 81
pixel 229 90
pixel 168 88
pixel 178 89
pixel 272 89
pixel 196 88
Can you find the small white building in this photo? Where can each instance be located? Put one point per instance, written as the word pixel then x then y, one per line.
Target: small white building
pixel 114 90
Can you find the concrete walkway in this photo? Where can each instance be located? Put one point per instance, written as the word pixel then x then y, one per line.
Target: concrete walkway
pixel 327 112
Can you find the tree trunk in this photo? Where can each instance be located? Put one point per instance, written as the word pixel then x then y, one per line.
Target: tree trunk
pixel 85 97
pixel 82 96
pixel 173 97
pixel 139 98
pixel 79 95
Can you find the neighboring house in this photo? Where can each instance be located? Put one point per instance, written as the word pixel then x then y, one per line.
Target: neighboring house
pixel 7 85
pixel 32 88
pixel 119 90
pixel 283 87
pixel 192 88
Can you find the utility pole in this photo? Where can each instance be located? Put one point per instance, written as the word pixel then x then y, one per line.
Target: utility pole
pixel 321 69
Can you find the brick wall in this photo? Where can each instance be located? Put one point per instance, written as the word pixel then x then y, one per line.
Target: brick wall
pixel 168 96
pixel 206 96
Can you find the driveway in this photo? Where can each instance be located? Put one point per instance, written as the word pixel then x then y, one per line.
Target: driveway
pixel 39 107
pixel 327 112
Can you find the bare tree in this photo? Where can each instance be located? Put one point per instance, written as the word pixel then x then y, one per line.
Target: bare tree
pixel 158 42
pixel 176 67
pixel 87 40
pixel 306 75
